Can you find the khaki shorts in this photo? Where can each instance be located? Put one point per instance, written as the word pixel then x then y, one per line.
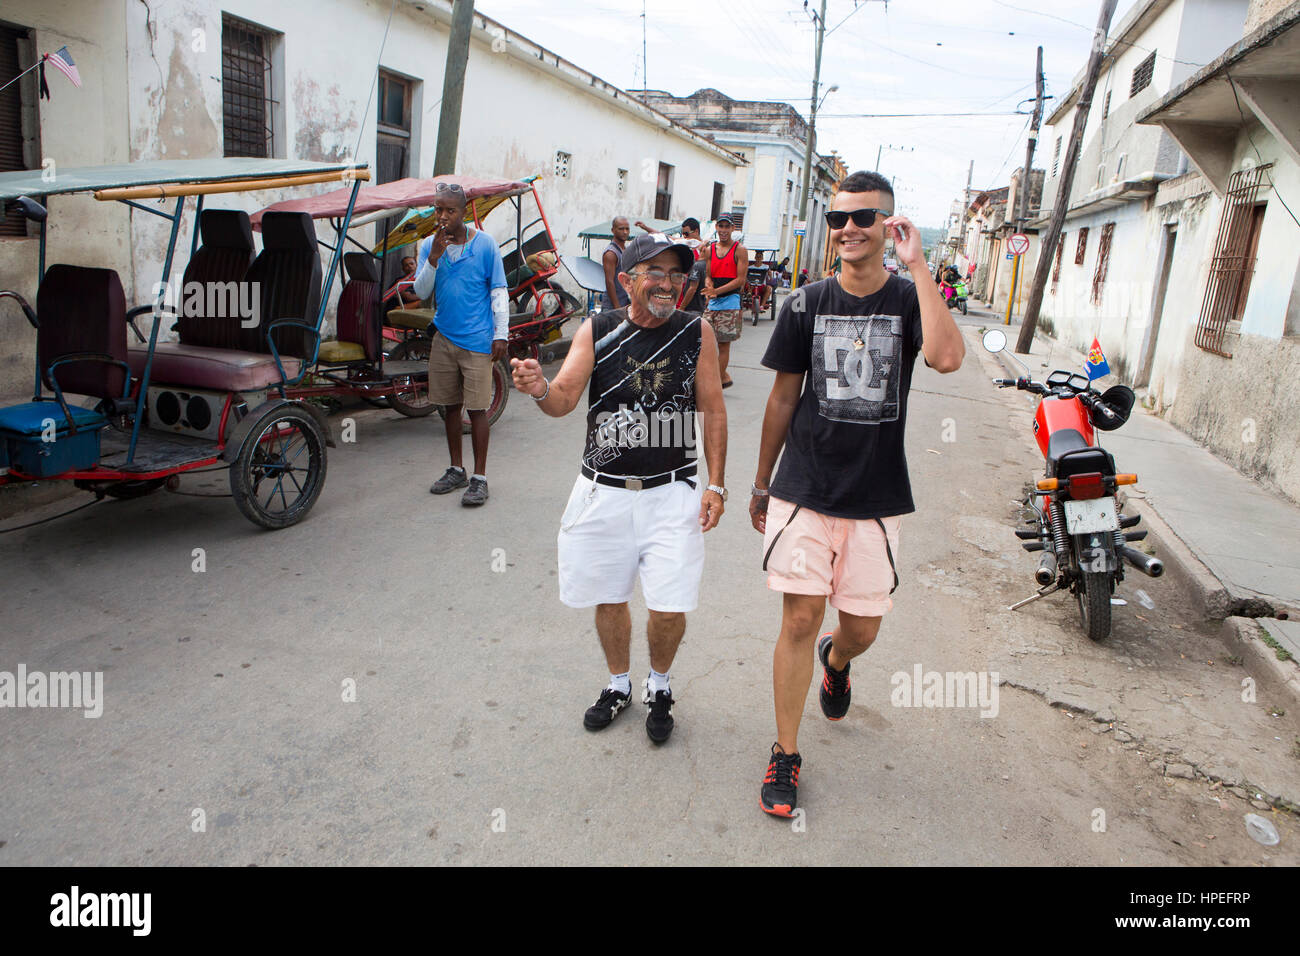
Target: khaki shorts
pixel 843 558
pixel 726 324
pixel 458 376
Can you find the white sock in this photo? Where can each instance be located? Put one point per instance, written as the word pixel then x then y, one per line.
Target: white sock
pixel 620 683
pixel 479 477
pixel 458 468
pixel 658 681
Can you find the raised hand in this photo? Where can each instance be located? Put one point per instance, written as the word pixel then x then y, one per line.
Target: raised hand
pixel 528 377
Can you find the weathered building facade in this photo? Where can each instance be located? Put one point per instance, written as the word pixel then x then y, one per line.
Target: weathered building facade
pixel 307 80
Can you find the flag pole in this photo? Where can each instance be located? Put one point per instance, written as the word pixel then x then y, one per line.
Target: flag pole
pixel 23 73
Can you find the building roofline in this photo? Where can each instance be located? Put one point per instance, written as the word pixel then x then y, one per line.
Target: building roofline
pixel 485 31
pixel 1266 33
pixel 1135 21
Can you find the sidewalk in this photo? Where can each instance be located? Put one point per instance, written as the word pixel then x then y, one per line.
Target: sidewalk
pixel 1237 544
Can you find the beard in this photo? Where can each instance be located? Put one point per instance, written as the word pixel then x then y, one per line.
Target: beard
pixel 660 310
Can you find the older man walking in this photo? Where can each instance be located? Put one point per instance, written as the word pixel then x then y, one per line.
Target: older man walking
pixel 636 509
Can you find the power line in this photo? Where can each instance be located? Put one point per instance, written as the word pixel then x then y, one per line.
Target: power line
pixel 900 115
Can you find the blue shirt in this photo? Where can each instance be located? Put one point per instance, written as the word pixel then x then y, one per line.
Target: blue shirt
pixel 462 289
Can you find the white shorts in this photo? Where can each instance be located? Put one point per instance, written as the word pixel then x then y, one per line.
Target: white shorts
pixel 609 535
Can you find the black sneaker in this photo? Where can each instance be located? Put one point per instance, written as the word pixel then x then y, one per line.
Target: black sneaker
pixel 476 493
pixel 836 691
pixel 451 479
pixel 602 713
pixel 659 721
pixel 781 783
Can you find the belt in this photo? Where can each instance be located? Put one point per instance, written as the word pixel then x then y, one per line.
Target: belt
pixel 641 484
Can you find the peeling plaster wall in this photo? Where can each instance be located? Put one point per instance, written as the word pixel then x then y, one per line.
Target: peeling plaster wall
pixel 1245 408
pixel 78 127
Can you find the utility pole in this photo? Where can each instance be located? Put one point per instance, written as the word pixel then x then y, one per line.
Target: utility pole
pixel 1026 178
pixel 808 152
pixel 970 172
pixel 1047 251
pixel 453 87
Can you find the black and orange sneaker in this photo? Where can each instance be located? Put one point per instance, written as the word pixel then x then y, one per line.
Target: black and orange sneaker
pixel 781 783
pixel 836 691
pixel 602 713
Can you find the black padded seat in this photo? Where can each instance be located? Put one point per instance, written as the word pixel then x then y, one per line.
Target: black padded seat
pixel 289 273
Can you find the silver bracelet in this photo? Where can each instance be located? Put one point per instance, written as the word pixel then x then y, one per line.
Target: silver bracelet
pixel 544 394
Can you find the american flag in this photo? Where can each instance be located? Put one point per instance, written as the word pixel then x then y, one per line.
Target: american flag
pixel 62 60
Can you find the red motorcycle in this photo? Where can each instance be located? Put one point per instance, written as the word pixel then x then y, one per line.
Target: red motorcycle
pixel 1080 531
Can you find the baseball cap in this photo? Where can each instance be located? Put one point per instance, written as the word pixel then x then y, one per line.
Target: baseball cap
pixel 723 218
pixel 648 246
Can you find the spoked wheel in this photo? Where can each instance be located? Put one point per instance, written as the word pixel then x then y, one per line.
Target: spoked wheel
pixel 412 402
pixel 280 469
pixel 500 394
pixel 771 306
pixel 1094 605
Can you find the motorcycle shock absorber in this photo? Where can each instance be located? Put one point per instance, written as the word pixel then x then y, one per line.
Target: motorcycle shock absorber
pixel 1060 542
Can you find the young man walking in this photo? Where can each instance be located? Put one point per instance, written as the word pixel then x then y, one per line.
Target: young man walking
pixel 830 518
pixel 727 265
pixel 464 266
pixel 637 508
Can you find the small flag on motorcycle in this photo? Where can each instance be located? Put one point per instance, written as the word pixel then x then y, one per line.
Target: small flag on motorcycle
pixel 1096 364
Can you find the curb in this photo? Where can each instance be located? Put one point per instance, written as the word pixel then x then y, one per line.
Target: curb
pixel 1245 636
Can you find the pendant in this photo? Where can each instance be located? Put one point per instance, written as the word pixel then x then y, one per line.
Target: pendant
pixel 859 344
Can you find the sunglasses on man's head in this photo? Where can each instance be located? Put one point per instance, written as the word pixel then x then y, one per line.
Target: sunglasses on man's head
pixel 862 218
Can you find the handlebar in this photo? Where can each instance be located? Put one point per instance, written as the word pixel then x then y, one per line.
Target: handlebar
pixel 1089 398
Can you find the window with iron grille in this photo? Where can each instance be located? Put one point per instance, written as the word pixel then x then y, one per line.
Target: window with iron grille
pixel 737 219
pixel 562 163
pixel 1082 247
pixel 1103 262
pixel 1233 264
pixel 622 181
pixel 664 192
pixel 246 101
pixel 19 143
pixel 1056 267
pixel 1056 157
pixel 1142 75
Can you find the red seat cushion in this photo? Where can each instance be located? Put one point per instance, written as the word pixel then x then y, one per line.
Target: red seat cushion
pixel 199 366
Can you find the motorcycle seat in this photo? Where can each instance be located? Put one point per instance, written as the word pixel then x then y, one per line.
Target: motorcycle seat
pixel 1068 453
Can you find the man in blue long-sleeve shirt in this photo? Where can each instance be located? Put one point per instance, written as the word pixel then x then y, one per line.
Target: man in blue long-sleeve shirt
pixel 462 267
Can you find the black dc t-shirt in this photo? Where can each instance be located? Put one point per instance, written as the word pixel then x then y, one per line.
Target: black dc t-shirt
pixel 844 454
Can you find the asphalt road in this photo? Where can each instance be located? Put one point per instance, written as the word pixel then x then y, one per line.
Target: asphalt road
pixel 226 737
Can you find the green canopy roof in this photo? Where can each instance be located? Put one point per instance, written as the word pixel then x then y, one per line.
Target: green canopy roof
pixel 86 178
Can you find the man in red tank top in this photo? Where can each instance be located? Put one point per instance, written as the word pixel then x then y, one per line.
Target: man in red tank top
pixel 728 262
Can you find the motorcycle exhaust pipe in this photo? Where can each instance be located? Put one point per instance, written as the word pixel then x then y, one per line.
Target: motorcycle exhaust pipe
pixel 1046 572
pixel 1147 564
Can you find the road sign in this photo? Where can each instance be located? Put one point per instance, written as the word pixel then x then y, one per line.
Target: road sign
pixel 1018 244
pixel 800 226
pixel 1011 255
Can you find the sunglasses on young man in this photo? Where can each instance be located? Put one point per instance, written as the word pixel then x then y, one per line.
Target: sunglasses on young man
pixel 862 218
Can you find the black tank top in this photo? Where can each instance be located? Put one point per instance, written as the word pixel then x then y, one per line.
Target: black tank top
pixel 641 401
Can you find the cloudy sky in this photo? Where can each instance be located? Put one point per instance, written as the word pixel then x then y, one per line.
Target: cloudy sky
pixel 907 56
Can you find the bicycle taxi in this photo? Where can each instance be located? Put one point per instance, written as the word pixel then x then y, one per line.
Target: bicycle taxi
pixel 216 399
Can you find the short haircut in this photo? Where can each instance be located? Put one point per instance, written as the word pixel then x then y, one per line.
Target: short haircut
pixel 864 182
pixel 691 223
pixel 614 221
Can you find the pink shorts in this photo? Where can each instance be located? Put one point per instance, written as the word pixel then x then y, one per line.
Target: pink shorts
pixel 843 558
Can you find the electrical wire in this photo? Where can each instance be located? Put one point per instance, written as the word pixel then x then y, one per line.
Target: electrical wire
pixel 61 514
pixel 1246 126
pixel 1093 29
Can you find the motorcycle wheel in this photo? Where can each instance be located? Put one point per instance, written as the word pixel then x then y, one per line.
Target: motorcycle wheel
pixel 963 308
pixel 1094 605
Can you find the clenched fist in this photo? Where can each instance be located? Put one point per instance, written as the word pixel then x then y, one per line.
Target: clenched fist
pixel 528 377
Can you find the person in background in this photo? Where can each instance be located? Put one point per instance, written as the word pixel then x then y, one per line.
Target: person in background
pixel 614 296
pixel 692 300
pixel 401 295
pixel 727 265
pixel 463 266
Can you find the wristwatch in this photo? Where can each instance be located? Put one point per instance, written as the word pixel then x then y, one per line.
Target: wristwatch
pixel 759 492
pixel 719 491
